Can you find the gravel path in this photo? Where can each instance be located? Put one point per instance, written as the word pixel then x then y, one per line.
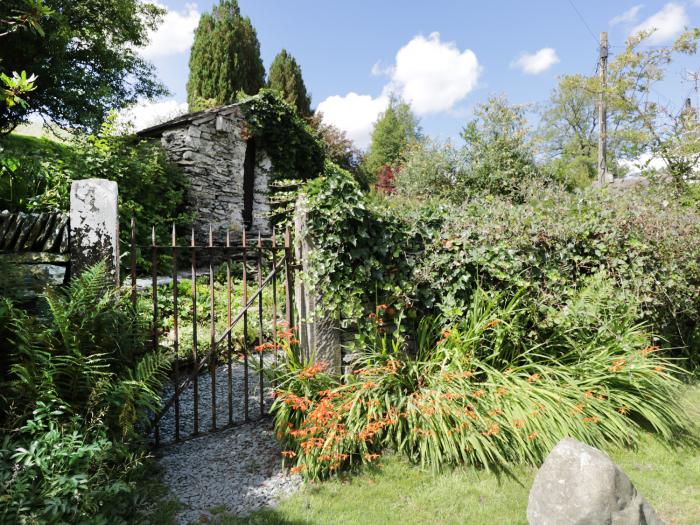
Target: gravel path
pixel 238 468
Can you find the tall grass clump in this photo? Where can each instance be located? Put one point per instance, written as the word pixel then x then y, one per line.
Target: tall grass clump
pixel 480 389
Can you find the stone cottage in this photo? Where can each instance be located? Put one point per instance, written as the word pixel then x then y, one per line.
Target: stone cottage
pixel 229 174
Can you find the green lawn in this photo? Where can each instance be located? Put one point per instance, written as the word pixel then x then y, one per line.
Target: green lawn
pixel 398 492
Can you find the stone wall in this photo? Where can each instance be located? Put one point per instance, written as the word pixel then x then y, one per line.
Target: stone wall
pixel 211 147
pixel 34 252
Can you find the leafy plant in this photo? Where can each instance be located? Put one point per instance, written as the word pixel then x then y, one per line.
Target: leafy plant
pixel 75 385
pixel 469 398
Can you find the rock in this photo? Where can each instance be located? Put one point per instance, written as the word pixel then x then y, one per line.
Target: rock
pixel 580 485
pixel 94 225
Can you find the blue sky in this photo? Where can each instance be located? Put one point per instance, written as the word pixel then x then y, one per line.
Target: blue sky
pixel 444 56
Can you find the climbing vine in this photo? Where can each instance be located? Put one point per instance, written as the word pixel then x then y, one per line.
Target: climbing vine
pixel 294 148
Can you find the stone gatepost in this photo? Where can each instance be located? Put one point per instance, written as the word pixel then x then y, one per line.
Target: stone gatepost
pixel 319 331
pixel 94 225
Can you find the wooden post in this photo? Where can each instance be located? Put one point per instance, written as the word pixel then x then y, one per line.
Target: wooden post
pixel 602 111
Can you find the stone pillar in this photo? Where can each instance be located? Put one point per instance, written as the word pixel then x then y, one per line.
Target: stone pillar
pixel 319 332
pixel 94 225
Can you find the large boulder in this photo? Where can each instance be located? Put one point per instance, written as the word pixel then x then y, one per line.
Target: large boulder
pixel 580 485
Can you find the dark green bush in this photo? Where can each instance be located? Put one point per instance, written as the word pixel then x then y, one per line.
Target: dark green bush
pixel 430 256
pixel 75 385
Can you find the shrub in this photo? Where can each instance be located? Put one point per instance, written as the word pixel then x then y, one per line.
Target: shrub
pixel 474 396
pixel 75 385
pixel 428 257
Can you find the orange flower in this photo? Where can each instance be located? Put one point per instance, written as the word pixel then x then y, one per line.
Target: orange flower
pixel 648 350
pixel 496 412
pixel 518 423
pixel 309 373
pixel 618 365
pixel 658 369
pixel 479 393
pixel 312 443
pixel 533 378
pixel 288 453
pixel 501 391
pixel 592 419
pixel 492 323
pixel 532 436
pixel 298 469
pixel 588 393
pixel 624 410
pixel 372 457
pixel 493 430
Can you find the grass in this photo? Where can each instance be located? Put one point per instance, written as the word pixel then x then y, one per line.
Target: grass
pixel 398 492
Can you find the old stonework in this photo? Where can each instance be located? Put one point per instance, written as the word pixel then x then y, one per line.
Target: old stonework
pixel 94 225
pixel 580 485
pixel 229 172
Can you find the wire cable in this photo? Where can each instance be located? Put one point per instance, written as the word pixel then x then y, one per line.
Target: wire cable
pixel 571 3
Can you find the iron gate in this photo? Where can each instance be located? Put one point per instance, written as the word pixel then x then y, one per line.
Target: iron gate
pixel 265 265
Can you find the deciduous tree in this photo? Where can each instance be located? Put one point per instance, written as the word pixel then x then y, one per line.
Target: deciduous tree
pixel 85 56
pixel 396 129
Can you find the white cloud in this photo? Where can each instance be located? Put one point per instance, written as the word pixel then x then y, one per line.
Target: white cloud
pixel 667 23
pixel 146 114
pixel 432 75
pixel 354 114
pixel 175 33
pixel 628 16
pixel 645 162
pixel 536 63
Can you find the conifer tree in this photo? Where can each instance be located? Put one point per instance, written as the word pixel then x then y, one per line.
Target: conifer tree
pixel 225 58
pixel 285 77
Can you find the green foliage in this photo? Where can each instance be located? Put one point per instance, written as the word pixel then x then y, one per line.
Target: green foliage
pixel 433 170
pixel 16 87
pixel 475 397
pixel 364 253
pixel 85 60
pixel 550 245
pixel 339 149
pixel 654 127
pixel 294 148
pixel 285 77
pixel 498 158
pixel 35 174
pixel 395 131
pixel 150 188
pixel 498 154
pixel 225 57
pixel 429 257
pixel 75 384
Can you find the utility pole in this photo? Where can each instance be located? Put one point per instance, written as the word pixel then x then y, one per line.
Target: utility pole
pixel 602 111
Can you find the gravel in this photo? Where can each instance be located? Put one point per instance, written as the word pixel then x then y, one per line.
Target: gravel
pixel 238 468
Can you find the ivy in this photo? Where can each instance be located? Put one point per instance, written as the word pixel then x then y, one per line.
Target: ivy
pixel 364 254
pixel 294 148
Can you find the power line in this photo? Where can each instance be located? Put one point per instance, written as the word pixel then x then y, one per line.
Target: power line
pixel 571 3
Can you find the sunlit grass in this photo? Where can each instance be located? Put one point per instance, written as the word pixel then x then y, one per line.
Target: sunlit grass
pixel 398 492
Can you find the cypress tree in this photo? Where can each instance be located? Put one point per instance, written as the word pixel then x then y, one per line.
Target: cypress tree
pixel 285 76
pixel 225 58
